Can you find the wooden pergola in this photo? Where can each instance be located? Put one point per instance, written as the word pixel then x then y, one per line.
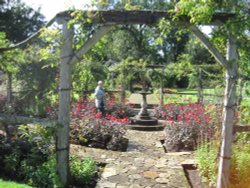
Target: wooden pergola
pixel 106 21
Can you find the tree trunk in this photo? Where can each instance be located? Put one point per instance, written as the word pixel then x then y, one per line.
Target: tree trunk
pixel 62 136
pixel 200 94
pixel 228 114
pixel 9 88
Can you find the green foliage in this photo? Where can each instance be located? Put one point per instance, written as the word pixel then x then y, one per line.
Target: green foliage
pixel 36 175
pixel 18 20
pixel 124 43
pixel 243 138
pixel 240 170
pixel 131 4
pixel 177 76
pixel 206 158
pixel 200 11
pixel 82 171
pixel 38 77
pixel 34 68
pixel 86 74
pixel 51 40
pixel 245 114
pixel 12 161
pixel 132 70
pixel 29 157
pixel 42 138
pixel 10 59
pixel 171 40
pixel 24 156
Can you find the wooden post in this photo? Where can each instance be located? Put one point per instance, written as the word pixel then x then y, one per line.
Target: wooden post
pixel 67 59
pixel 230 102
pixel 123 87
pixel 9 88
pixel 123 92
pixel 230 64
pixel 162 89
pixel 112 81
pixel 62 134
pixel 200 94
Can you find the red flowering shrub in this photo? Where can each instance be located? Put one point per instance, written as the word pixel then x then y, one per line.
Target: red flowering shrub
pixel 115 112
pixel 118 109
pixel 186 124
pixel 100 133
pixel 89 128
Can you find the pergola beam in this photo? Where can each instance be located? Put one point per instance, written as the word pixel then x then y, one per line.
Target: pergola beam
pixel 138 17
pixel 119 17
pixel 99 33
pixel 208 45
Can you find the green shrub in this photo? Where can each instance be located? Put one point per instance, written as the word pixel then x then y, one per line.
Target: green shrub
pixel 11 163
pixel 240 164
pixel 206 158
pixel 82 171
pixel 41 140
pixel 29 157
pixel 44 175
pixel 245 113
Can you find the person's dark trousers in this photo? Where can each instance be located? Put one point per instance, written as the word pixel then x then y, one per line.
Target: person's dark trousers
pixel 102 109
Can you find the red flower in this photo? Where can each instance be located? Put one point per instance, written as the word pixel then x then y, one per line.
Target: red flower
pixel 182 107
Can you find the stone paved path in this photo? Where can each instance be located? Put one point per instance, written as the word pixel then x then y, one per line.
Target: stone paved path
pixel 144 165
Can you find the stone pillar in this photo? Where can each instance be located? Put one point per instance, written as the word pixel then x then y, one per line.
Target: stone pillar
pixel 143 112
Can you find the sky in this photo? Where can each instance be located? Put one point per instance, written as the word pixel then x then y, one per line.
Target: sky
pixel 49 8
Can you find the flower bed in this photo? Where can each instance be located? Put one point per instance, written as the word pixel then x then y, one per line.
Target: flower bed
pixel 186 124
pixel 90 129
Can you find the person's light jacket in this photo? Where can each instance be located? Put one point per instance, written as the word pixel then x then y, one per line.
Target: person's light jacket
pixel 99 97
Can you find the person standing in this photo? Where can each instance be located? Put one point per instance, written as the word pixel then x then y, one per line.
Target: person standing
pixel 100 99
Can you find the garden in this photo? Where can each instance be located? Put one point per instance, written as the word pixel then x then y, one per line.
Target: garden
pixel 176 95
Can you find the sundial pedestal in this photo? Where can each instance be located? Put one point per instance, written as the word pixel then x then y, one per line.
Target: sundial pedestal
pixel 143 121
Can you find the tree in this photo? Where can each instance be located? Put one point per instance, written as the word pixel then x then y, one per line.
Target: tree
pixel 10 61
pixel 39 74
pixel 18 20
pixel 86 74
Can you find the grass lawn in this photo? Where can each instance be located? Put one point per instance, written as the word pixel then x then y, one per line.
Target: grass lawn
pixel 184 96
pixel 10 184
pixel 190 95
